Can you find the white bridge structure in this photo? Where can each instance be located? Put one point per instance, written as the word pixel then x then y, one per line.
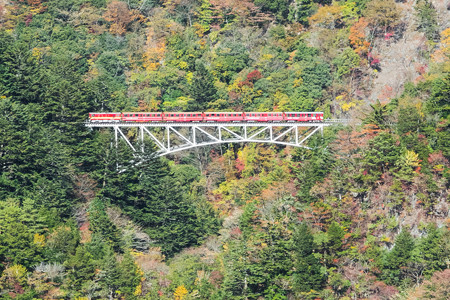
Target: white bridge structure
pixel 174 137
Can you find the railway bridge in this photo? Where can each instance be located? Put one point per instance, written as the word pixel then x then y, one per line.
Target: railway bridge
pixel 174 137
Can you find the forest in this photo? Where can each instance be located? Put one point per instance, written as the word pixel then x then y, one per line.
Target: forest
pixel 363 213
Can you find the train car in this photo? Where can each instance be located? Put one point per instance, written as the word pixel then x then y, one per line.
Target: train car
pixel 183 117
pixel 264 116
pixel 223 116
pixel 105 117
pixel 142 117
pixel 207 117
pixel 303 116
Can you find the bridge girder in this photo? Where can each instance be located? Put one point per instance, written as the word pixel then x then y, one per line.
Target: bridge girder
pixel 174 137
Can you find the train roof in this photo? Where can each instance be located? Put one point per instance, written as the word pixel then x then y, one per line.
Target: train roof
pixel 304 112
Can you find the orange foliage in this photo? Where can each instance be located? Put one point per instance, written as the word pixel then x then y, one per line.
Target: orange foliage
pixel 358 35
pixel 120 16
pixel 327 16
pixel 154 51
pixel 242 10
pixel 34 2
pixel 442 54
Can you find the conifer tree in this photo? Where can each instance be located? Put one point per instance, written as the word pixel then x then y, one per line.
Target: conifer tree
pixel 335 236
pixel 110 273
pixel 129 275
pixel 397 260
pixel 202 90
pixel 430 251
pixel 80 268
pixel 307 275
pixel 99 222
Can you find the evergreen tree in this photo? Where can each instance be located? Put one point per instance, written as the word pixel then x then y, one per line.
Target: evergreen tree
pixel 430 251
pixel 381 154
pixel 110 273
pixel 62 242
pixel 202 90
pixel 16 239
pixel 300 11
pixel 307 275
pixel 397 260
pixel 148 192
pixel 80 268
pixel 99 222
pixel 129 277
pixel 335 236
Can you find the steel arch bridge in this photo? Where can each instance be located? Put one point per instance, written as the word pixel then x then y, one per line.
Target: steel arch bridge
pixel 174 137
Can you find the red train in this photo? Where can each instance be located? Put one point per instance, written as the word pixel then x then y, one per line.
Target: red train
pixel 207 117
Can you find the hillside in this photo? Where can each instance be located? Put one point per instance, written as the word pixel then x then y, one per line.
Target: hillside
pixel 362 214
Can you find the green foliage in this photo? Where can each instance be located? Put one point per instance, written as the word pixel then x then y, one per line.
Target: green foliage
pixel 202 89
pixel 307 275
pixel 382 154
pixel 80 268
pixel 300 11
pixel 232 57
pixel 346 62
pixel 58 62
pixel 188 270
pixel 427 19
pixel 316 164
pixel 278 7
pixel 17 242
pixel 130 276
pixel 62 243
pixel 429 251
pixel 335 235
pixel 149 194
pixel 100 223
pixel 397 260
pixel 110 273
pixel 439 100
pixel 378 115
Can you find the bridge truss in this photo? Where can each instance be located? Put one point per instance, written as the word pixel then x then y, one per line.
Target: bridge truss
pixel 174 137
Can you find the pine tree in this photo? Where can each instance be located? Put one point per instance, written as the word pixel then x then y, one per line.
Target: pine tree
pixel 430 251
pixel 16 238
pixel 129 277
pixel 80 268
pixel 110 273
pixel 397 260
pixel 148 192
pixel 202 90
pixel 99 222
pixel 335 236
pixel 307 275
